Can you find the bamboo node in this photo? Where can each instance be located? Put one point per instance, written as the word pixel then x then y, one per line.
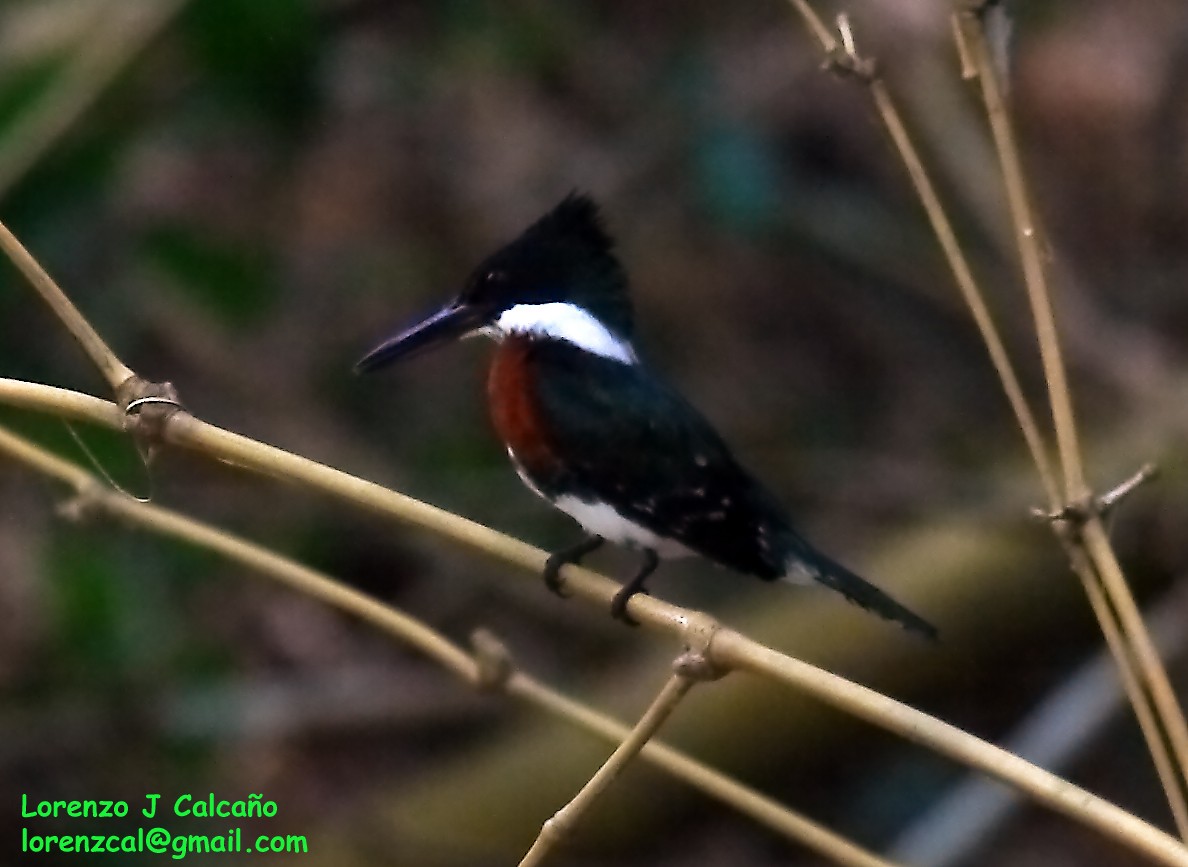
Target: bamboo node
pixel 83 505
pixel 494 664
pixel 843 58
pixel 1080 511
pixel 696 660
pixel 147 407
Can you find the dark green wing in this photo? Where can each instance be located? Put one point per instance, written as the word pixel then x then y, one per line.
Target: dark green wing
pixel 627 438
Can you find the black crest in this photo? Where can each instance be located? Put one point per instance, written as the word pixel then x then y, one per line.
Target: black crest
pixel 575 221
pixel 565 256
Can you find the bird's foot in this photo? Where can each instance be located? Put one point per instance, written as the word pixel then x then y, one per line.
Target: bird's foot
pixel 619 604
pixel 572 555
pixel 552 576
pixel 635 585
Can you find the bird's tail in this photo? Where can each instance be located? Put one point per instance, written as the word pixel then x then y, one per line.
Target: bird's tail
pixel 808 561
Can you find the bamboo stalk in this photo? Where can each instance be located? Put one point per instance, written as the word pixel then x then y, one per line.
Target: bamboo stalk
pixel 561 825
pixel 92 495
pixel 1091 534
pixel 725 649
pixel 845 56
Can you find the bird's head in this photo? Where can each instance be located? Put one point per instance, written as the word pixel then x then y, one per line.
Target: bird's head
pixel 559 279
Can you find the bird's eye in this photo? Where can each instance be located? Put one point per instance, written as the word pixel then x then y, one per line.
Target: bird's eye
pixel 486 284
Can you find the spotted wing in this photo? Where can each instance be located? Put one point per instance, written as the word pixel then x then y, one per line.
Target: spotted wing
pixel 627 439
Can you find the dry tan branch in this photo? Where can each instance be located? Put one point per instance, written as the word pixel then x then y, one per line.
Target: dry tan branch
pixel 112 369
pixel 746 801
pixel 1154 704
pixel 726 649
pixel 488 668
pixel 1135 642
pixel 561 825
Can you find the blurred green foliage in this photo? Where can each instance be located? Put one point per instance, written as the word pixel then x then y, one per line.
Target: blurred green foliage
pixel 259 58
pixel 235 284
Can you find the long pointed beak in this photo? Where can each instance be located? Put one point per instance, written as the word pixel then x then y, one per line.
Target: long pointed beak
pixel 451 323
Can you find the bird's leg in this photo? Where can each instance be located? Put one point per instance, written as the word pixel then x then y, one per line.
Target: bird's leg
pixel 565 556
pixel 635 585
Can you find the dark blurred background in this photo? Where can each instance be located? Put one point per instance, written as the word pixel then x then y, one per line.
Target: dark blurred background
pixel 244 196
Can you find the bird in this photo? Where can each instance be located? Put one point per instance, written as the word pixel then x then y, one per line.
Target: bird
pixel 601 436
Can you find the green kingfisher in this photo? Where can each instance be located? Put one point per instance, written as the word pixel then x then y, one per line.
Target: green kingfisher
pixel 592 430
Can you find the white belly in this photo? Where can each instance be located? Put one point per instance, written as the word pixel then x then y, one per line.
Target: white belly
pixel 602 520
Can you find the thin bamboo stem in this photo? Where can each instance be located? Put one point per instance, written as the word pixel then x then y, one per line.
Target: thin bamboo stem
pixel 954 255
pixel 561 825
pixel 1144 710
pixel 114 371
pixel 1031 260
pixel 971 292
pixel 1101 552
pixel 758 807
pixel 864 71
pixel 1092 534
pixel 737 652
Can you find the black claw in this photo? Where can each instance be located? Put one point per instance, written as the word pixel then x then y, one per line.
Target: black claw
pixel 552 579
pixel 564 557
pixel 619 605
pixel 635 585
